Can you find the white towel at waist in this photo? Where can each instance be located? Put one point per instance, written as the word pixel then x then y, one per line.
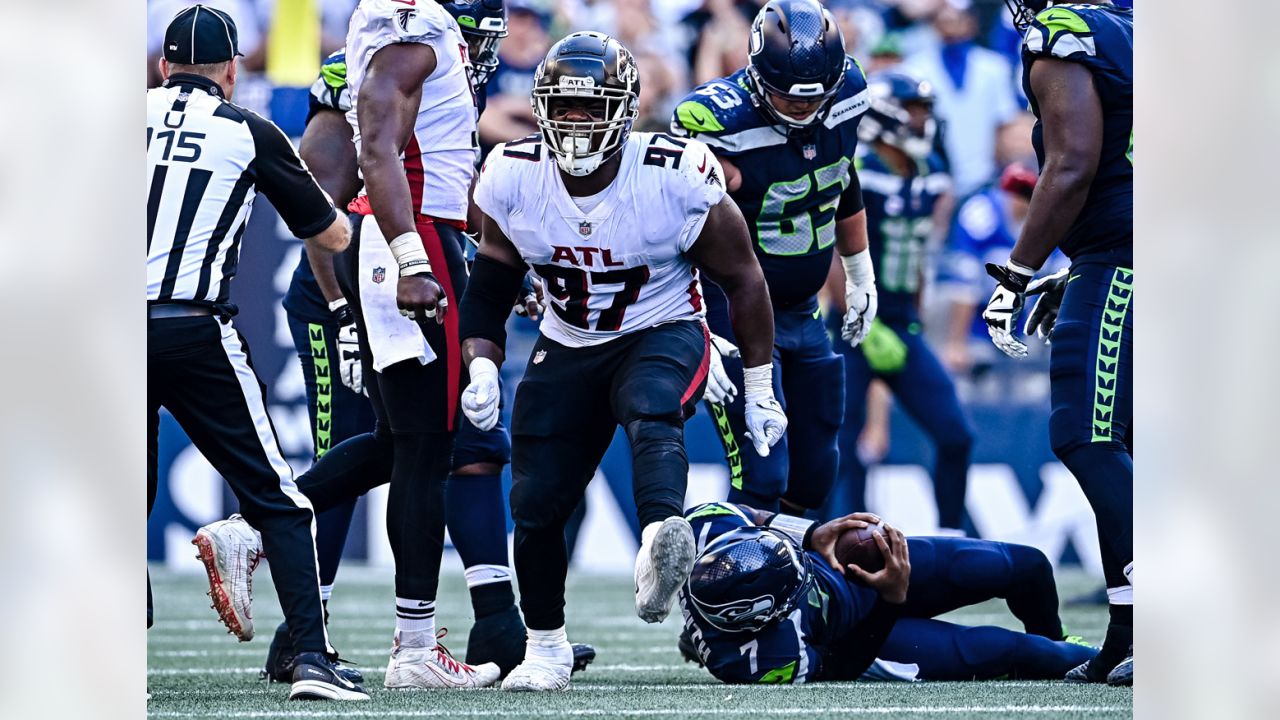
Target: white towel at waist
pixel 392 337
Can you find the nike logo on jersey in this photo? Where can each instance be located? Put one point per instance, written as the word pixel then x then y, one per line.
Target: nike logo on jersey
pixel 703 166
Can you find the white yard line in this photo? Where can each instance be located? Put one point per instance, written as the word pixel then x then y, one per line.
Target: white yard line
pixel 350 711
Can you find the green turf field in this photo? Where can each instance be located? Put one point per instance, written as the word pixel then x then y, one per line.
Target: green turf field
pixel 196 670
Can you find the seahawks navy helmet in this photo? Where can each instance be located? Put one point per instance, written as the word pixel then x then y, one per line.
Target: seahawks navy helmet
pixel 594 67
pixel 796 53
pixel 748 578
pixel 1024 11
pixel 888 119
pixel 483 24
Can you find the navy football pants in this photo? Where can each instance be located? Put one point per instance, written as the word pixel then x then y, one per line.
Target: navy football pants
pixel 925 391
pixel 808 380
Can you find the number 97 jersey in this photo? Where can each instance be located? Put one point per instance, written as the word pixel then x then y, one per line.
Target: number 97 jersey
pixel 613 263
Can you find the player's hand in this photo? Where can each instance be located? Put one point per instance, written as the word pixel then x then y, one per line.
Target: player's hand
pixel 863 302
pixel 1044 314
pixel 481 401
pixel 420 297
pixel 766 422
pixel 892 580
pixel 720 389
pixel 349 369
pixel 532 302
pixel 1001 313
pixel 824 537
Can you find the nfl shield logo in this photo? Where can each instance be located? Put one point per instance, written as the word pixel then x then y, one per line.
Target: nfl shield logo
pixel 539 356
pixel 810 152
pixel 584 228
pixel 379 274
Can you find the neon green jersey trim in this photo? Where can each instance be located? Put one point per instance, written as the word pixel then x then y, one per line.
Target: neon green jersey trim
pixel 696 117
pixel 780 676
pixel 1057 19
pixel 324 388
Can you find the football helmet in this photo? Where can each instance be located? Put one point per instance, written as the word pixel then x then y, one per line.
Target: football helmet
pixel 888 119
pixel 596 69
pixel 1024 11
pixel 796 53
pixel 483 24
pixel 749 578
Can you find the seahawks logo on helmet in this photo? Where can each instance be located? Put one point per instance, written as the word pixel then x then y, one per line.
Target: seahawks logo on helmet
pixel 740 613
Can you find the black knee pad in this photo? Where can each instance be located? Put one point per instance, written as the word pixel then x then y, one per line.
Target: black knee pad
pixel 538 504
pixel 660 434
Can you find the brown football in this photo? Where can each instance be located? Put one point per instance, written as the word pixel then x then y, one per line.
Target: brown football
pixel 857 546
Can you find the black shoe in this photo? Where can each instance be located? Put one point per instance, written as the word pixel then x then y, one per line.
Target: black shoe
pixel 583 655
pixel 1122 674
pixel 498 638
pixel 316 677
pixel 687 649
pixel 279 666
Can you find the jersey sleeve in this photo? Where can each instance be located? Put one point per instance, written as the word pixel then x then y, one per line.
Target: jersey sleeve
pixel 1062 33
pixel 713 113
pixel 282 176
pixel 703 178
pixel 777 655
pixel 330 90
pixel 391 22
pixel 711 520
pixel 490 192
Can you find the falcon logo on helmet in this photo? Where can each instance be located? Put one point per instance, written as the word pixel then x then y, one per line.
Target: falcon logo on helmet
pixel 749 578
pixel 796 54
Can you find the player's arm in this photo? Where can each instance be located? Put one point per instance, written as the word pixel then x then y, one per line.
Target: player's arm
pixel 852 245
pixel 495 283
pixel 1071 118
pixel 388 101
pixel 305 208
pixel 327 150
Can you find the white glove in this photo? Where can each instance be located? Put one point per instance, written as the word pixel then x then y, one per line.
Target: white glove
pixel 349 368
pixel 480 401
pixel 860 297
pixel 1001 313
pixel 766 422
pixel 720 389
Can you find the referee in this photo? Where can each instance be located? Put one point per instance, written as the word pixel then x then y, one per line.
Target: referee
pixel 206 160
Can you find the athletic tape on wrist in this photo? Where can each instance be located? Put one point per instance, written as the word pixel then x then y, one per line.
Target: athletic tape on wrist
pixel 858 269
pixel 410 254
pixel 757 382
pixel 796 528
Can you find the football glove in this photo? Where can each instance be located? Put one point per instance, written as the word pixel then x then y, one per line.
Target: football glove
pixel 481 400
pixel 766 422
pixel 860 297
pixel 530 294
pixel 884 350
pixel 349 368
pixel 1044 314
pixel 720 389
pixel 1001 314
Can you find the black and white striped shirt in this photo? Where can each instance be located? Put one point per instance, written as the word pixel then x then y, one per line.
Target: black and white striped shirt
pixel 206 161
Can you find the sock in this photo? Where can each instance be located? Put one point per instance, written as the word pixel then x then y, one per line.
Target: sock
pixel 490 587
pixel 549 646
pixel 416 622
pixel 326 591
pixel 1118 643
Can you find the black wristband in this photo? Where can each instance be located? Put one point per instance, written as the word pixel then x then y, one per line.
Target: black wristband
pixel 344 315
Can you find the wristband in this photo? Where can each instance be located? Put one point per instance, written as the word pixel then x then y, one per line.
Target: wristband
pixel 796 528
pixel 482 368
pixel 1020 269
pixel 410 255
pixel 757 382
pixel 342 312
pixel 858 269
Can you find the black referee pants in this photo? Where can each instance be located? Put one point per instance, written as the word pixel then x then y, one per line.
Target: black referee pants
pixel 199 369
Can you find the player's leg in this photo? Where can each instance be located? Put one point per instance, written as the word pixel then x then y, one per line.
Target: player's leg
pixel 926 393
pixel 949 573
pixel 758 482
pixel 945 651
pixel 560 429
pixel 813 381
pixel 1091 371
pixel 852 474
pixel 220 403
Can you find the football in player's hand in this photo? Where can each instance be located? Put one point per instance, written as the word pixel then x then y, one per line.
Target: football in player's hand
pixel 857 546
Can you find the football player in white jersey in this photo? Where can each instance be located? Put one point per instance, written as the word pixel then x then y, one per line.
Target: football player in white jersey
pixel 413 121
pixel 617 225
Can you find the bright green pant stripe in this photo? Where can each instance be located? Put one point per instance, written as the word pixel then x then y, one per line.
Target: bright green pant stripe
pixel 731 452
pixel 324 387
pixel 1110 338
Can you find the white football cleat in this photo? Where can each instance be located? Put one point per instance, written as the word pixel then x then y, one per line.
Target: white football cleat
pixel 230 550
pixel 538 676
pixel 664 563
pixel 435 668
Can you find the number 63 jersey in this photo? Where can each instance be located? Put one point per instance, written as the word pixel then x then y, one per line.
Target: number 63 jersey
pixel 613 263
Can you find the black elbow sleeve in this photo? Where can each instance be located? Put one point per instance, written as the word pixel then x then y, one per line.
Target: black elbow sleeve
pixel 850 199
pixel 491 292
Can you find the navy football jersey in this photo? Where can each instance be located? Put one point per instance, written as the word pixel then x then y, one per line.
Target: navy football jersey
pixel 791 184
pixel 1100 37
pixel 899 222
pixel 791 650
